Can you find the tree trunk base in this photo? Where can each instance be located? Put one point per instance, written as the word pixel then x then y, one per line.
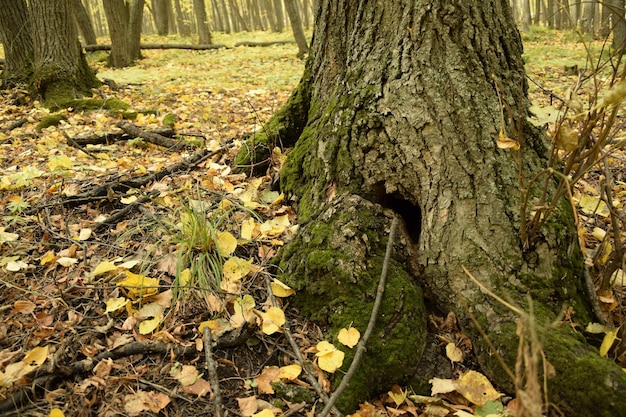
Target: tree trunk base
pixel 335 264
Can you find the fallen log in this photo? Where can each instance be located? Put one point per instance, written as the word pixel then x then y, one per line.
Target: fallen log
pixel 263 43
pixel 109 137
pixel 91 48
pixel 153 138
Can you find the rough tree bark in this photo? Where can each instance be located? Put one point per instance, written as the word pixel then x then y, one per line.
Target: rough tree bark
pixel 398 114
pixel 15 35
pixel 61 72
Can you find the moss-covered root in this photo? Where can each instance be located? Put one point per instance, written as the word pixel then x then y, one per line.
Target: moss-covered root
pixel 584 384
pixel 334 264
pixel 283 130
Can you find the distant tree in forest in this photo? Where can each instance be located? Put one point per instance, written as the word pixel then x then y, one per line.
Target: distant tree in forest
pixel 124 19
pixel 56 70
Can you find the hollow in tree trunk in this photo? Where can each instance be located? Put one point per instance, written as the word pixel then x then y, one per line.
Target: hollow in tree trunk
pixel 398 114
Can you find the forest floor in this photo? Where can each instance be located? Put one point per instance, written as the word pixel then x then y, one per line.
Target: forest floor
pixel 115 253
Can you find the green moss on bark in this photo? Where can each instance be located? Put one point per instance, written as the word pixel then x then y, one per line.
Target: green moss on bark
pixel 335 264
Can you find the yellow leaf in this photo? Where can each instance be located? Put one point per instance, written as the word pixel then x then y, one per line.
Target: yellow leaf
pixel 349 337
pixel 615 95
pixel 49 257
pixel 103 268
pixel 598 233
pixel 275 227
pixel 56 412
pixel 128 200
pixel 36 356
pixel 398 395
pixel 139 285
pixel 114 304
pixel 607 342
pixel 273 319
pixel 248 229
pixel 218 326
pixel 567 138
pixel 593 205
pixel 454 353
pixel 264 413
pixel 184 277
pixel 329 358
pixel 236 268
pixel 226 243
pixel 148 326
pixel 59 162
pixel 504 142
pixel 476 388
pixel 281 290
pixel 244 305
pixel 290 372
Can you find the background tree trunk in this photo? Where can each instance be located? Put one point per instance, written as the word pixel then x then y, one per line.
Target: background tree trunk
pixel 296 27
pixel 183 27
pixel 15 35
pixel 124 20
pixel 398 112
pixel 159 12
pixel 204 34
pixel 619 25
pixel 83 21
pixel 280 17
pixel 61 72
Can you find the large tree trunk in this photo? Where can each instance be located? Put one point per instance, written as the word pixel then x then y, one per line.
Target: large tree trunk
pixel 61 72
pixel 398 114
pixel 15 35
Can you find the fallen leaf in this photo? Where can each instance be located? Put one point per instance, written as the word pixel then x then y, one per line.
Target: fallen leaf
pixel 607 342
pixel 186 374
pixel 273 319
pixel 226 243
pixel 248 405
pixel 476 388
pixel 290 372
pixel 281 290
pixel 349 337
pixel 264 380
pixel 329 358
pixel 200 388
pixel 454 353
pixel 141 401
pixel 103 268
